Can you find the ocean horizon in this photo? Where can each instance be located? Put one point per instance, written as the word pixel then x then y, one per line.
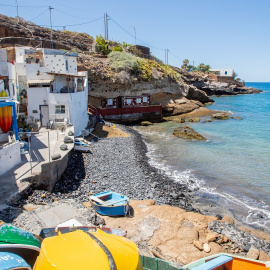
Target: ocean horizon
pixel 229 172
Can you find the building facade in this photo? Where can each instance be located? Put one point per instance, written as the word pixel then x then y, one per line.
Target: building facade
pixel 47 83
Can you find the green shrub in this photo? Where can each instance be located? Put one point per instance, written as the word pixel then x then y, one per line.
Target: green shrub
pixel 146 66
pixel 117 49
pixel 102 45
pixel 122 61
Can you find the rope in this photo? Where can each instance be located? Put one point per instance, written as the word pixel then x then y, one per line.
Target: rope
pixel 106 250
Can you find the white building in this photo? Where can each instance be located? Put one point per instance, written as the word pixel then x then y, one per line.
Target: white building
pixel 55 90
pixel 223 72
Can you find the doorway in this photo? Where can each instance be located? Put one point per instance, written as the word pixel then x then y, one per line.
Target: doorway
pixel 44 115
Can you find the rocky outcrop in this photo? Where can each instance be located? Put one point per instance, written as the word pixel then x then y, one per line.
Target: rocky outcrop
pixel 219 88
pixel 189 133
pixel 30 34
pixel 220 116
pixel 207 84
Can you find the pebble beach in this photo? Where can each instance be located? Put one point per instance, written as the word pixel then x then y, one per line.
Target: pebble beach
pixel 116 164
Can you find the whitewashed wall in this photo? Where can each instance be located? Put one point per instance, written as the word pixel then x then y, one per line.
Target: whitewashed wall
pixel 9 157
pixel 57 63
pixel 32 70
pixel 36 97
pixel 223 71
pixel 77 104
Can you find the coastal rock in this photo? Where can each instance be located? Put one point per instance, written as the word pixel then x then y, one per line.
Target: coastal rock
pixel 194 119
pixel 97 220
pixel 187 132
pixel 237 117
pixel 228 220
pixel 240 238
pixel 68 139
pixel 56 156
pixel 211 237
pixel 263 256
pixel 220 116
pixel 216 248
pixel 253 253
pixel 206 248
pixel 198 244
pixel 146 123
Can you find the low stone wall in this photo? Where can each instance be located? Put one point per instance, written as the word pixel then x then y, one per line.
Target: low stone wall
pixel 9 156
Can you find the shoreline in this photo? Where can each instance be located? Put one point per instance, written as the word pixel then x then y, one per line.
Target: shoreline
pixel 159 187
pixel 121 165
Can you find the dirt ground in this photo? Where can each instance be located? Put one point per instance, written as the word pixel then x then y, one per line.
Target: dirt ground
pixel 104 131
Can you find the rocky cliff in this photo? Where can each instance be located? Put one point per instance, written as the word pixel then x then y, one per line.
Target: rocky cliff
pixel 178 94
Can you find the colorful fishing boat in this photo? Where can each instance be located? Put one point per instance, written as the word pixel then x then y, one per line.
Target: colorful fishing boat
pixel 110 203
pixel 87 250
pixel 82 146
pixel 228 262
pixel 10 261
pixel 5 114
pixel 22 243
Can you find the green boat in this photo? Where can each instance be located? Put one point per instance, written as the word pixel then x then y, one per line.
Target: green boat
pixel 153 263
pixel 22 243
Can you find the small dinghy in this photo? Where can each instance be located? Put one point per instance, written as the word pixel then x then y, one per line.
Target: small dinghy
pixel 10 261
pixel 82 146
pixel 110 203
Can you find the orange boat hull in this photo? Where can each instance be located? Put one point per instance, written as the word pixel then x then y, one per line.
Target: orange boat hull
pixel 5 115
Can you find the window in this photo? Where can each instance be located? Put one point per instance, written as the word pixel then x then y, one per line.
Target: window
pixel 138 100
pixel 60 109
pixel 226 72
pixel 145 99
pixel 109 101
pixel 128 100
pixel 66 65
pixel 35 111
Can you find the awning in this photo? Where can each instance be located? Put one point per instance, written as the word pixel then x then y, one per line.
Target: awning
pixel 39 81
pixel 66 74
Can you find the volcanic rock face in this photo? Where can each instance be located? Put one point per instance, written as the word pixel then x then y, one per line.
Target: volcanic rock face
pixel 189 133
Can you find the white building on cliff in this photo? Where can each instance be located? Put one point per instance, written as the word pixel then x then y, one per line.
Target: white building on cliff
pixel 48 83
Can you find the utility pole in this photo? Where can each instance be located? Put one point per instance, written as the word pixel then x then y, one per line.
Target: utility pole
pixel 166 56
pixel 17 9
pixel 50 8
pixel 106 26
pixel 135 34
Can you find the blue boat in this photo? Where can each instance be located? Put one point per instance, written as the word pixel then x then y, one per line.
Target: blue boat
pixel 110 203
pixel 11 261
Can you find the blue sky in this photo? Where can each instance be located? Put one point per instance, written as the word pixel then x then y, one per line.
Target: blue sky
pixel 224 34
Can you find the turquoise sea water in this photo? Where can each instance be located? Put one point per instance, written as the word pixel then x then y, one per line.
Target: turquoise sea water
pixel 232 168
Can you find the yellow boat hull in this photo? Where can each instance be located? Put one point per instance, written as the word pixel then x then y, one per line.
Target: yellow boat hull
pixel 78 250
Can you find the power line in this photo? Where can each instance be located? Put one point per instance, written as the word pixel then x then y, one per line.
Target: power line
pixel 73 24
pixel 71 15
pixel 39 15
pixel 22 6
pixel 133 35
